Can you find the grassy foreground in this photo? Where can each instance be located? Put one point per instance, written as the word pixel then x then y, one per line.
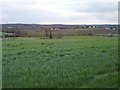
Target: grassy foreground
pixel 77 62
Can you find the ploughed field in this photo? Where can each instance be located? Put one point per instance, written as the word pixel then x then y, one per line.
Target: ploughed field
pixel 70 62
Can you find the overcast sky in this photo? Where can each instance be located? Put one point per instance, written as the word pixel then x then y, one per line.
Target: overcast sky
pixel 59 11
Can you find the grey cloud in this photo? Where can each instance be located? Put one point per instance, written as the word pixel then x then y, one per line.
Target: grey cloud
pixel 92 7
pixel 22 14
pixel 100 11
pixel 109 17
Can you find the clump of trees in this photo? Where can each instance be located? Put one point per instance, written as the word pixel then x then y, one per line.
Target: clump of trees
pixel 51 32
pixel 48 34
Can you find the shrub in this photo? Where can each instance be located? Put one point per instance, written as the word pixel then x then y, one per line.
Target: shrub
pixel 103 50
pixel 19 53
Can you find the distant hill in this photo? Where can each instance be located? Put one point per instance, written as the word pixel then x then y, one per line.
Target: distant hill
pixel 61 26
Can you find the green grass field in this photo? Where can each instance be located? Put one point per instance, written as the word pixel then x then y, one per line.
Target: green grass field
pixel 71 62
pixel 3 33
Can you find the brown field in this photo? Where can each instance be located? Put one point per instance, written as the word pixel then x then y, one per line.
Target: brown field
pixel 69 32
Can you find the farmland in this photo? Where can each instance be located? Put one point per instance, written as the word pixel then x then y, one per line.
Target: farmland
pixel 70 62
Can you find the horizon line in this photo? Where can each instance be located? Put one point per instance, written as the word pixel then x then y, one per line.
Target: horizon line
pixel 63 23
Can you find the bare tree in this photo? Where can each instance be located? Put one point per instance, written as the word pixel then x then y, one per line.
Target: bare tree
pixel 51 34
